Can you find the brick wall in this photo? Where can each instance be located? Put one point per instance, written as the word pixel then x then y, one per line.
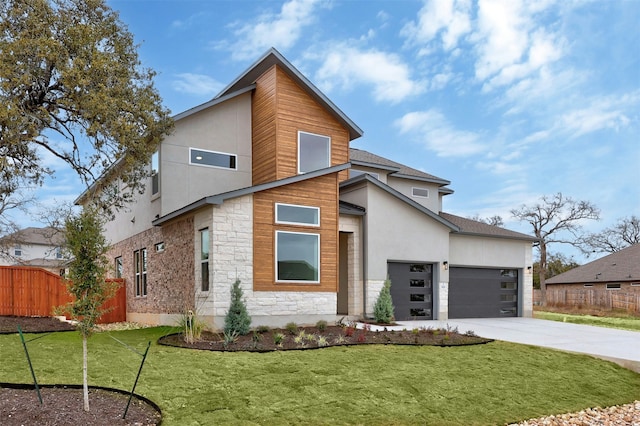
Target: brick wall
pixel 170 273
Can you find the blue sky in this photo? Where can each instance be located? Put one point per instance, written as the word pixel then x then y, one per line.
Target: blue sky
pixel 509 100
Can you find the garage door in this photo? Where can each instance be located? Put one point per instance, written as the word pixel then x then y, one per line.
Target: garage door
pixel 411 290
pixel 483 293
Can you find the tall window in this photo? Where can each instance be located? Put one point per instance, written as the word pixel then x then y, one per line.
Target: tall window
pixel 204 259
pixel 155 173
pixel 314 152
pixel 17 250
pixel 140 262
pixel 297 257
pixel 118 267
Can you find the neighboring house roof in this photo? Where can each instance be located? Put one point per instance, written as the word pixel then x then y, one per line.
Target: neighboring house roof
pixel 218 199
pixel 359 157
pixel 623 265
pixel 370 179
pixel 46 236
pixel 473 227
pixel 273 57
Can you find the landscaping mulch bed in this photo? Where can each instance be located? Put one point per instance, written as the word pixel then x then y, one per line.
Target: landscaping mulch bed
pixel 267 340
pixel 63 405
pixel 9 324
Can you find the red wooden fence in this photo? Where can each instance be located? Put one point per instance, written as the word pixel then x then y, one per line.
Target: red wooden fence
pixel 28 291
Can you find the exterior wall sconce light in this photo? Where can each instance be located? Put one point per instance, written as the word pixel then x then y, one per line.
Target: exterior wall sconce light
pixel 529 269
pixel 445 265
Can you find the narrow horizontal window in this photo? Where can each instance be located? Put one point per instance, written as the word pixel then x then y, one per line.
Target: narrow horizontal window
pixel 635 284
pixel 612 286
pixel 508 273
pixel 588 285
pixel 417 297
pixel 508 286
pixel 419 312
pixel 508 311
pixel 212 159
pixel 297 215
pixel 420 192
pixel 508 298
pixel 297 257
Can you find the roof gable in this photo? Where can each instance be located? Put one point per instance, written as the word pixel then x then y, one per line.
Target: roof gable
pixel 273 57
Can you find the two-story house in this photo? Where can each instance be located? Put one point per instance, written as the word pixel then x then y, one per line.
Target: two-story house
pixel 36 247
pixel 260 184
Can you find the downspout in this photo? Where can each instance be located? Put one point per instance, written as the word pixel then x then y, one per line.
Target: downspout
pixel 363 231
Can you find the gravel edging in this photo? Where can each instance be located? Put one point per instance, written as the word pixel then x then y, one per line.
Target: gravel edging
pixel 618 415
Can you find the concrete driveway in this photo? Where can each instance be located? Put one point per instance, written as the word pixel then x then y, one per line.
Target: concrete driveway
pixel 619 346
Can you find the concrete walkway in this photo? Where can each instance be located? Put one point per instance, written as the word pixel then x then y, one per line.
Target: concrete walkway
pixel 619 346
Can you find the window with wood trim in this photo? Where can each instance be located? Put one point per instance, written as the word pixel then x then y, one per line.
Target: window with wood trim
pixel 297 257
pixel 140 266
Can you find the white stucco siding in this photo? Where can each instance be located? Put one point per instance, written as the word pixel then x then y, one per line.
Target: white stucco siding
pixel 134 218
pixel 405 186
pixel 224 128
pixel 477 251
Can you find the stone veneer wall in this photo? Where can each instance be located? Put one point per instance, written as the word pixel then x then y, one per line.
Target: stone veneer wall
pixel 351 224
pixel 232 257
pixel 169 273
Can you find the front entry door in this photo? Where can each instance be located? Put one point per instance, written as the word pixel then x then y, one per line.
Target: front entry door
pixel 411 290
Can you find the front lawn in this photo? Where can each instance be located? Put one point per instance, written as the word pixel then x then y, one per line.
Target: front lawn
pixel 629 322
pixel 487 384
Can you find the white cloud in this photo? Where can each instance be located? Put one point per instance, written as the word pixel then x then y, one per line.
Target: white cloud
pixel 345 67
pixel 196 84
pixel 432 129
pixel 281 30
pixel 448 19
pixel 603 113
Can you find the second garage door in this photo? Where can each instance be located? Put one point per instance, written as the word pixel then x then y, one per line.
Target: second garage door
pixel 483 293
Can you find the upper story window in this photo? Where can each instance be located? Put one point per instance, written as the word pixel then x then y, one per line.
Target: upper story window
pixel 155 173
pixel 59 253
pixel 314 152
pixel 17 250
pixel 222 160
pixel 420 192
pixel 297 215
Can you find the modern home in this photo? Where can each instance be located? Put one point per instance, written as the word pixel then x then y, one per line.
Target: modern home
pixel 260 184
pixel 617 273
pixel 35 247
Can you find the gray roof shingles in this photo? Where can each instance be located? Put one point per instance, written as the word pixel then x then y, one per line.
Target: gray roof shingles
pixel 473 227
pixel 621 266
pixel 359 155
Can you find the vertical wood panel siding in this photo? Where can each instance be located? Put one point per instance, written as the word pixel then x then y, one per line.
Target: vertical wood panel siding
pixel 319 192
pixel 264 152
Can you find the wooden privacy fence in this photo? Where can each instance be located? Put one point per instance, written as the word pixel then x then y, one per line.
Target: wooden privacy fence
pixel 608 299
pixel 28 291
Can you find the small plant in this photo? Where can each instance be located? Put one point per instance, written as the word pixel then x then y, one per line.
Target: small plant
pixel 237 319
pixel 340 340
pixel 362 337
pixel 322 341
pixel 300 339
pixel 349 330
pixel 470 333
pixel 292 328
pixel 415 331
pixel 192 326
pixel 321 325
pixel 263 329
pixel 278 339
pixel 230 337
pixel 383 309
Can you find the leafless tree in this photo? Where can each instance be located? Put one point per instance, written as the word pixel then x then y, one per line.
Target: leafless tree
pixel 624 233
pixel 556 219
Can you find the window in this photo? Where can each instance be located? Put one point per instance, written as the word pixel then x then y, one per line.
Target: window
pixel 420 192
pixel 297 257
pixel 612 286
pixel 159 247
pixel 508 286
pixel 297 215
pixel 212 159
pixel 58 253
pixel 140 262
pixel 155 173
pixel 204 259
pixel 314 152
pixel 17 250
pixel 118 267
pixel 588 285
pixel 635 284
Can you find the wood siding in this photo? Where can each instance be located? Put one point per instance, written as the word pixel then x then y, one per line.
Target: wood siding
pixel 319 192
pixel 281 108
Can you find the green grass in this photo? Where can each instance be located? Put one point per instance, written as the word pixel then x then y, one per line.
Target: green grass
pixel 487 384
pixel 625 323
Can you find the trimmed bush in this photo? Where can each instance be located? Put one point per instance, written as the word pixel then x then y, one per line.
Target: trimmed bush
pixel 237 321
pixel 383 309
